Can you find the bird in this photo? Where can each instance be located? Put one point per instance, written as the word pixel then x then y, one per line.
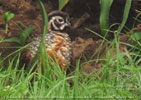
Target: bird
pixel 57 41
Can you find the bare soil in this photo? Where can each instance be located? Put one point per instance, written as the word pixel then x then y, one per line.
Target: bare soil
pixel 83 14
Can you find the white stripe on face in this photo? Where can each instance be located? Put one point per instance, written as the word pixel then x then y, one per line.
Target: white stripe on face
pixel 52 22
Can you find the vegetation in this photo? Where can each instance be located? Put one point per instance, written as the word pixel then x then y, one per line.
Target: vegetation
pixel 23 36
pixel 7 16
pixel 104 16
pixel 120 78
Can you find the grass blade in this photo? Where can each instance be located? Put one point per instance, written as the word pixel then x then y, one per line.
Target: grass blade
pixel 25 33
pixel 62 4
pixel 136 36
pixel 14 39
pixel 42 48
pixel 104 14
pixel 126 13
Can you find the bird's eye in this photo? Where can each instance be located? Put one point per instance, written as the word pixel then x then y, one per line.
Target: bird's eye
pixel 60 20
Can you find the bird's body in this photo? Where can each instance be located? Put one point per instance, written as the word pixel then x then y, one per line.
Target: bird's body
pixel 58 43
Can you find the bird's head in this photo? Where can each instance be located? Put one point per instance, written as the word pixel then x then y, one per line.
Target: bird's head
pixel 58 21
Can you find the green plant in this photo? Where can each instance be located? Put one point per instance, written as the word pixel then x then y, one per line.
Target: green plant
pixel 42 49
pixel 23 36
pixel 7 16
pixel 136 36
pixel 125 15
pixel 104 15
pixel 62 4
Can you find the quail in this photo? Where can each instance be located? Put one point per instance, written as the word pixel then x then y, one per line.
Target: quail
pixel 57 42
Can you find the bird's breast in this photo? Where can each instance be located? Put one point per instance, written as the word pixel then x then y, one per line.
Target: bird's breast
pixel 59 47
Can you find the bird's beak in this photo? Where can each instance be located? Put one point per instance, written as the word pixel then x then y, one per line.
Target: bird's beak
pixel 68 24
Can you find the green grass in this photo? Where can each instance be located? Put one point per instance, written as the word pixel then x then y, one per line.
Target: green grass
pixel 118 79
pixel 62 4
pixel 7 16
pixel 104 15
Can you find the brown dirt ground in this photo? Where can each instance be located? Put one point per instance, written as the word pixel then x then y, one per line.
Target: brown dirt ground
pixel 83 13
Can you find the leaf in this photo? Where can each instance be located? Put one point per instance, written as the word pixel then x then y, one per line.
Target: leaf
pixel 125 15
pixel 45 25
pixel 131 68
pixel 62 4
pixel 10 16
pixel 7 16
pixel 104 14
pixel 23 36
pixel 14 39
pixel 136 36
pixel 25 33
